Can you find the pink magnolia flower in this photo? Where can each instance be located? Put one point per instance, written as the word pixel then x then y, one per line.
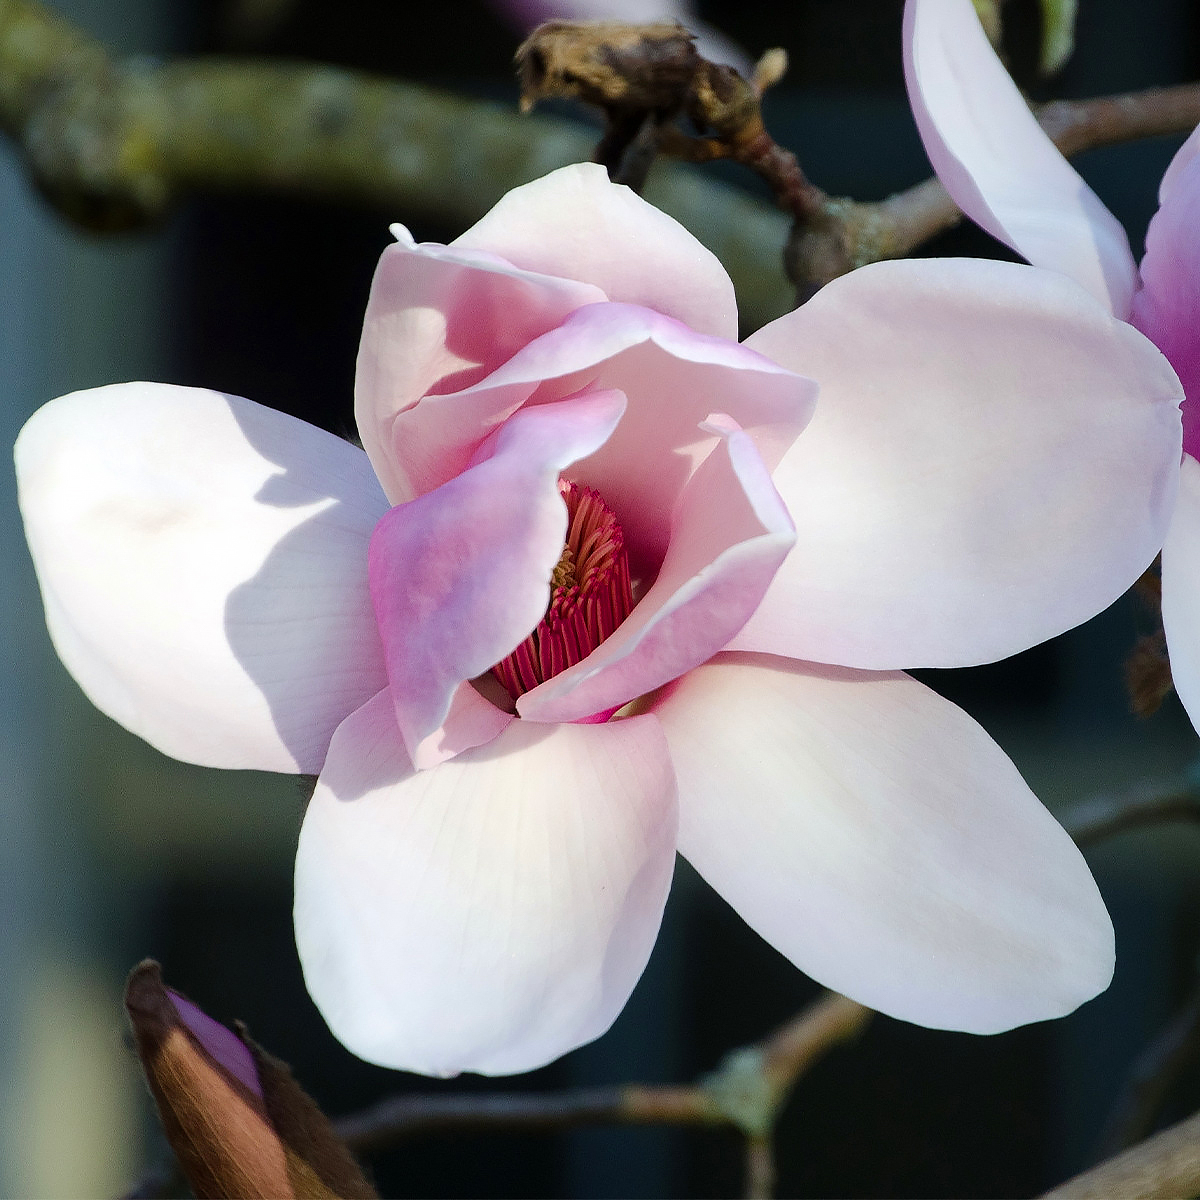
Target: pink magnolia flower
pixel 482 871
pixel 1006 174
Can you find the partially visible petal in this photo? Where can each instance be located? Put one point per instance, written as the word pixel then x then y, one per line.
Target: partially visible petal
pixel 729 534
pixel 494 913
pixel 1184 157
pixel 673 378
pixel 576 224
pixel 461 575
pixel 996 161
pixel 994 460
pixel 1181 589
pixel 203 564
pixel 874 834
pixel 439 319
pixel 1167 308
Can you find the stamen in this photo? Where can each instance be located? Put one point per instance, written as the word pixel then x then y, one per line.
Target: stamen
pixel 590 595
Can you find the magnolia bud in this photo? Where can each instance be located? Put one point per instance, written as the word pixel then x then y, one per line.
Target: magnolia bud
pixel 238 1122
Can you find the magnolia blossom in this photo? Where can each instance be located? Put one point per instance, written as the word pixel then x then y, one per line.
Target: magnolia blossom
pixel 603 583
pixel 1006 174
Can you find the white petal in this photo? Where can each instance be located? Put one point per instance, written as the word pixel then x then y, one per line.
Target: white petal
pixel 874 834
pixel 490 914
pixel 993 460
pixel 203 562
pixel 1181 589
pixel 996 161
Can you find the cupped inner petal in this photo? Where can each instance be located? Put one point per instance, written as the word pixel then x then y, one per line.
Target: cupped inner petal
pixel 729 534
pixel 997 162
pixel 490 915
pixel 203 562
pixel 874 834
pixel 1167 308
pixel 439 319
pixel 994 460
pixel 576 224
pixel 673 379
pixel 461 575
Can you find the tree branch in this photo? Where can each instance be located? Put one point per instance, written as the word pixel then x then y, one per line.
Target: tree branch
pixel 111 142
pixel 1164 1167
pixel 746 1091
pixel 1104 816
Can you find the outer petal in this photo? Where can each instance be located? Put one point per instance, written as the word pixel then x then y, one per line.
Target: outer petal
pixel 729 534
pixel 995 160
pixel 673 379
pixel 203 563
pixel 576 224
pixel 874 834
pixel 993 461
pixel 461 575
pixel 437 320
pixel 1167 309
pixel 494 913
pixel 1181 589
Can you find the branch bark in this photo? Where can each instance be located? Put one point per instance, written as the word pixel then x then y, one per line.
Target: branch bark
pixel 111 142
pixel 1164 1167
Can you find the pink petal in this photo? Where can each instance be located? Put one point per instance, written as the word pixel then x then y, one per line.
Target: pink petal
pixel 1181 589
pixel 874 834
pixel 461 575
pixel 672 378
pixel 993 460
pixel 1167 308
pixel 1184 157
pixel 729 534
pixel 203 563
pixel 574 223
pixel 494 913
pixel 438 319
pixel 996 162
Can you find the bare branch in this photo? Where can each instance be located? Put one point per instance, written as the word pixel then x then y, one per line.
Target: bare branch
pixel 400 1117
pixel 1164 1167
pixel 111 142
pixel 1104 816
pixel 1154 1073
pixel 746 1092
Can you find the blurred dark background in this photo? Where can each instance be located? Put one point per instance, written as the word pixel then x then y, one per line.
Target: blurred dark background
pixel 113 853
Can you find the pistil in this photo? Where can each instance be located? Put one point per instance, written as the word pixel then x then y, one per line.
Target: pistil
pixel 590 595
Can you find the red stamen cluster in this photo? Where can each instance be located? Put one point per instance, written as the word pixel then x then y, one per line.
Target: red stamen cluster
pixel 590 595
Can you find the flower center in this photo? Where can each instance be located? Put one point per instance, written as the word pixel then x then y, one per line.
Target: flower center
pixel 590 595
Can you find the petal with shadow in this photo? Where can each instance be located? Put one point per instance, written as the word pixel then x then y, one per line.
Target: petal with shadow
pixel 203 564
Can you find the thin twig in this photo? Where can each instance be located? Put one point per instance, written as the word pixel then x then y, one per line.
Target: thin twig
pixel 399 1117
pixel 1164 1167
pixel 1154 1073
pixel 1102 817
pixel 760 1168
pixel 777 1063
pixel 110 143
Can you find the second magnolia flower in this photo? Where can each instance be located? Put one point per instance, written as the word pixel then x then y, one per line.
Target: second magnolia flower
pixel 991 460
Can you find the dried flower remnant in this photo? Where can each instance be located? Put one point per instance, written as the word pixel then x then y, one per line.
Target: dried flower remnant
pixel 644 78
